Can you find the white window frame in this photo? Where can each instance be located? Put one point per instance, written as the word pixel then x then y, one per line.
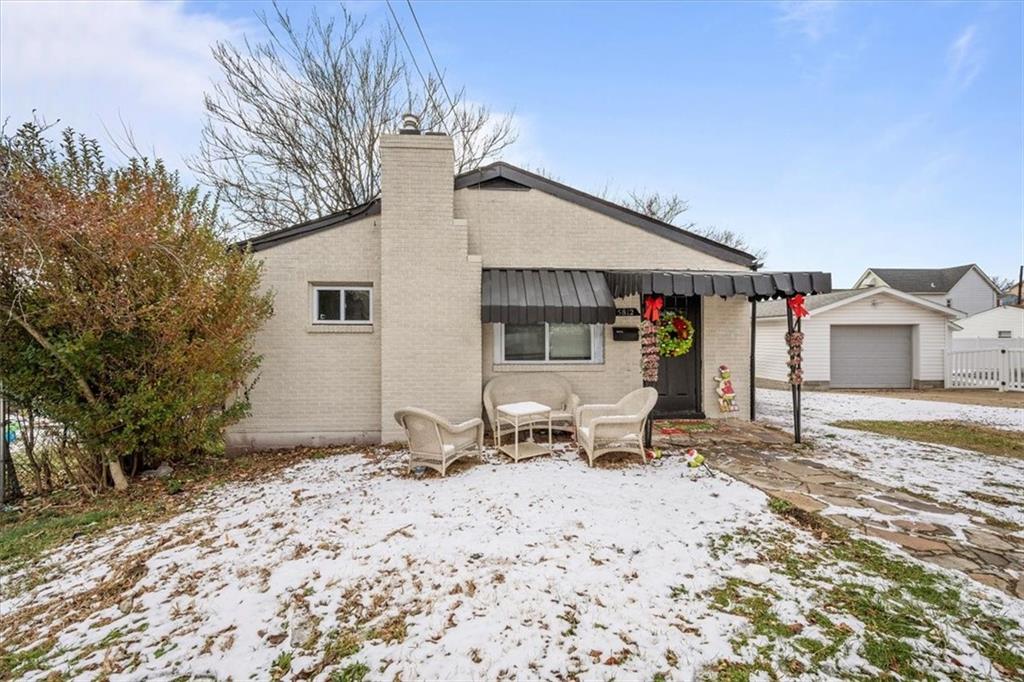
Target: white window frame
pixel 315 298
pixel 596 348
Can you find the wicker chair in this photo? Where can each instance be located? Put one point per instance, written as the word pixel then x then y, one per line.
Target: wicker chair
pixel 435 442
pixel 601 429
pixel 540 387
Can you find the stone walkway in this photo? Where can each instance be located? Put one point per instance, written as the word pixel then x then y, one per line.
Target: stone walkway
pixel 934 532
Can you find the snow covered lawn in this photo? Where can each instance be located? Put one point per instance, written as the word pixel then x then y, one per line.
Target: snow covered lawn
pixel 944 473
pixel 344 567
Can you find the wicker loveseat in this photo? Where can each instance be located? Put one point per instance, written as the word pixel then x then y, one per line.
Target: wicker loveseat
pixel 541 387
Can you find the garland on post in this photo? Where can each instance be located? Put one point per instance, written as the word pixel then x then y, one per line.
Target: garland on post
pixel 649 351
pixel 795 341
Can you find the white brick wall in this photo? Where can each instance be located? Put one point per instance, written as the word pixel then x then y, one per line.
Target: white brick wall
pixel 726 327
pixel 317 385
pixel 430 287
pixel 531 229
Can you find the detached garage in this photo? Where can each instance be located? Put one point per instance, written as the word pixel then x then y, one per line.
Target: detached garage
pixel 858 338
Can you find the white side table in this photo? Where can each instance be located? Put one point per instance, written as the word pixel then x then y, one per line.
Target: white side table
pixel 519 416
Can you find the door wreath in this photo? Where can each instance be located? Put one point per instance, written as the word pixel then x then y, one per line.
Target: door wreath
pixel 675 335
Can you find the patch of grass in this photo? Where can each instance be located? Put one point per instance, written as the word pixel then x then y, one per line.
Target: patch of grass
pixel 956 434
pixel 898 602
pixel 889 653
pixel 392 630
pixel 282 664
pixel 40 523
pixel 20 540
pixel 679 591
pixel 350 673
pixel 753 602
pixel 989 498
pixel 1001 523
pixel 173 486
pixel 16 663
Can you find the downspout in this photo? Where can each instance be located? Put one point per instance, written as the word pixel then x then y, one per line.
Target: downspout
pixel 753 353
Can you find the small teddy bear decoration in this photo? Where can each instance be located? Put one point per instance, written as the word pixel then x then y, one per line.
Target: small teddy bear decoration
pixel 726 394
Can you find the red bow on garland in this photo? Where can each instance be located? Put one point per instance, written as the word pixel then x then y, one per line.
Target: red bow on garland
pixel 652 311
pixel 796 304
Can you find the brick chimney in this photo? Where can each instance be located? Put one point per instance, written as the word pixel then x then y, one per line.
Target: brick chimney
pixel 430 286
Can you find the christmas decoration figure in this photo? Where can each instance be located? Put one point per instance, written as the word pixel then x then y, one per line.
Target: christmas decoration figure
pixel 725 391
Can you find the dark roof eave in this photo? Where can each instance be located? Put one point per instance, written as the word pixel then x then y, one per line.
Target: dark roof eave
pixel 287 234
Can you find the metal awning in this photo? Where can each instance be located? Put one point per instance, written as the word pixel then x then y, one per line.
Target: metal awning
pixel 528 296
pixel 756 286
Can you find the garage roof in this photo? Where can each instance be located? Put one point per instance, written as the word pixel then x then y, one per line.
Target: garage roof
pixel 820 302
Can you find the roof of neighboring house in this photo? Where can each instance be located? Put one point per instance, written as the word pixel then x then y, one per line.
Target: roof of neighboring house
pixel 506 176
pixel 777 308
pixel 926 280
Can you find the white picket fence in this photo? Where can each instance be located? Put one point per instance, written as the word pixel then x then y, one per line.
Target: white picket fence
pixel 1001 369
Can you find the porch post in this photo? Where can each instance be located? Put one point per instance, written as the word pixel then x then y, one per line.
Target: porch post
pixel 794 388
pixel 753 352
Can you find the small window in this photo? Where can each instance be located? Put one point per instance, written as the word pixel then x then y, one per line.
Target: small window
pixel 342 305
pixel 1005 334
pixel 549 342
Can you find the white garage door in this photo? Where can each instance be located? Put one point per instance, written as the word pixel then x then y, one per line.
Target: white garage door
pixel 871 356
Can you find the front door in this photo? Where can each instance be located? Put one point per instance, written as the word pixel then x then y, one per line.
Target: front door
pixel 679 378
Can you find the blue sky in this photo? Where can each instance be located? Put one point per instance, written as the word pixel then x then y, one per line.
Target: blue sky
pixel 836 135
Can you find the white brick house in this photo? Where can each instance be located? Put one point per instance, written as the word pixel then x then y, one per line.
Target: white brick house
pixel 420 296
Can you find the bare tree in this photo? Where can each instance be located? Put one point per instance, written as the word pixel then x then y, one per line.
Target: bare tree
pixel 669 207
pixel 1003 283
pixel 292 131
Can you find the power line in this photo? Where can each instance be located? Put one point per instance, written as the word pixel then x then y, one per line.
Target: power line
pixel 426 88
pixel 434 62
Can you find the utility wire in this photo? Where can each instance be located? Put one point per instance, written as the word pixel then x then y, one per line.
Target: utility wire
pixel 434 62
pixel 426 88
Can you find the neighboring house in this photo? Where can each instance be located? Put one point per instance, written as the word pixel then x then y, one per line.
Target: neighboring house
pixel 417 298
pixel 1012 295
pixel 1001 327
pixel 876 337
pixel 964 287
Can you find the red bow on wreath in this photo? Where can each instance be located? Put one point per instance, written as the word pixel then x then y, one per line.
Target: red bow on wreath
pixel 652 311
pixel 681 329
pixel 796 304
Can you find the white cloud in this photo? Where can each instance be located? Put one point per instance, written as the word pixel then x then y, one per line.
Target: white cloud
pixel 964 57
pixel 93 65
pixel 812 18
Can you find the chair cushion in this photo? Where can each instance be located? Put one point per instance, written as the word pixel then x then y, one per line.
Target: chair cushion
pixel 448 448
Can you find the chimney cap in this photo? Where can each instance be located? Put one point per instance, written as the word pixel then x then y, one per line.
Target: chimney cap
pixel 410 124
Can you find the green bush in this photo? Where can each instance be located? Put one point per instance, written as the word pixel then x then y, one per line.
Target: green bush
pixel 127 318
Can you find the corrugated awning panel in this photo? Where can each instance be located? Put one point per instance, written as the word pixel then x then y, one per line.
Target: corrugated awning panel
pixel 530 296
pixel 752 285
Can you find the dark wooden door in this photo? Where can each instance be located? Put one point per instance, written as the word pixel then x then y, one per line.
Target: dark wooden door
pixel 679 380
